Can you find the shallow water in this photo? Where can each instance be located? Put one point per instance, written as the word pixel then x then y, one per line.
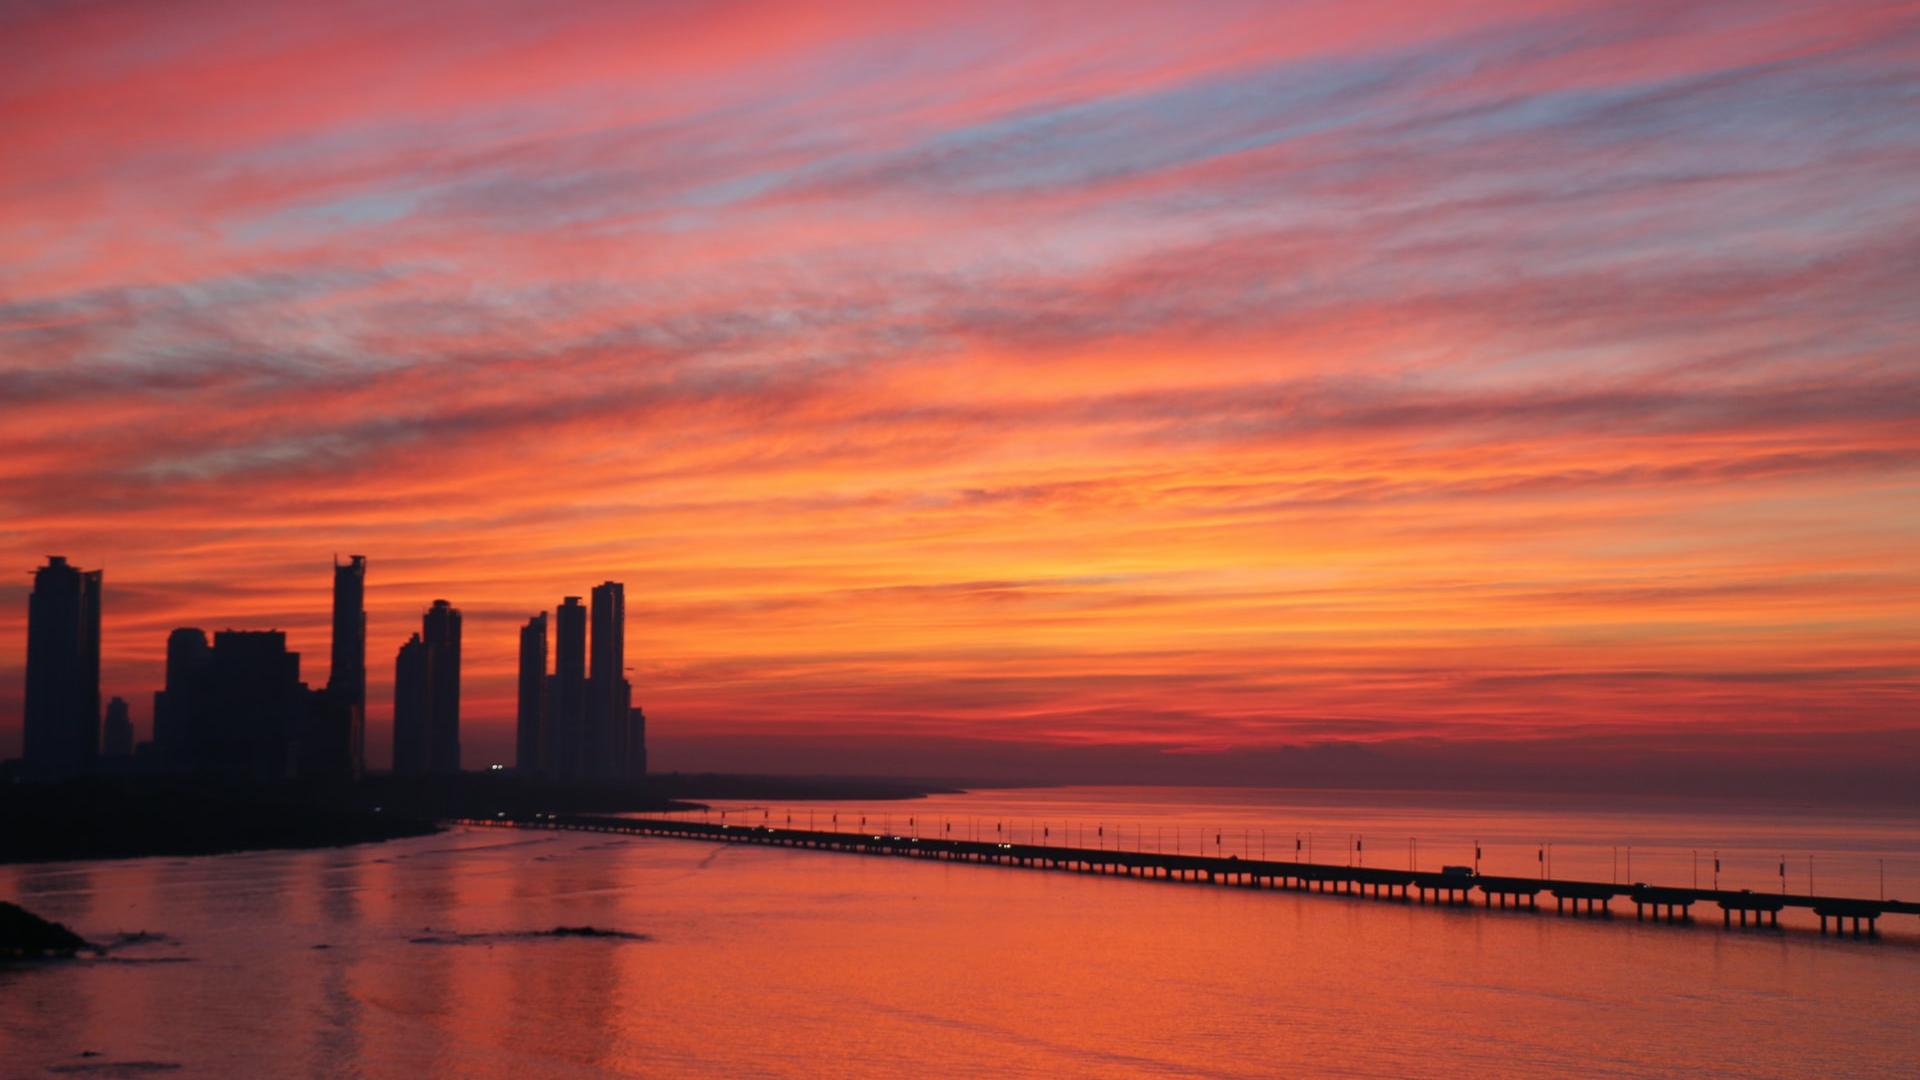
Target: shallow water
pixel 756 961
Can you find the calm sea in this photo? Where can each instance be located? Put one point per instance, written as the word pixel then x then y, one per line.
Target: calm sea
pixel 425 958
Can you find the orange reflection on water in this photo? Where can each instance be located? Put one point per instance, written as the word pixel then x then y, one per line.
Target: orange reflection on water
pixel 765 961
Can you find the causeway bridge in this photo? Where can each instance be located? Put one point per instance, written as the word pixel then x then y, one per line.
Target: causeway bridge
pixel 1451 885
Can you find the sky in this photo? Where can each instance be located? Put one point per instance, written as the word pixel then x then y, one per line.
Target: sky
pixel 1090 389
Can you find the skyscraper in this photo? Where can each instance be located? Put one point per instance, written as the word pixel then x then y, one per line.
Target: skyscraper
pixel 249 706
pixel 608 694
pixel 440 629
pixel 569 699
pixel 347 677
pixel 533 741
pixel 412 707
pixel 187 657
pixel 637 744
pixel 62 718
pixel 118 740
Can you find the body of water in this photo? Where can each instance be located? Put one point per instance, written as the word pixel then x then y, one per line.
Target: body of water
pixel 431 958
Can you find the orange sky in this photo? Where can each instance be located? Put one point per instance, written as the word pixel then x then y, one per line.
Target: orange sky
pixel 1081 376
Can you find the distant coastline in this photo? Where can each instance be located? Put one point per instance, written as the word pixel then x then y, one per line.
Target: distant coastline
pixel 126 818
pixel 131 817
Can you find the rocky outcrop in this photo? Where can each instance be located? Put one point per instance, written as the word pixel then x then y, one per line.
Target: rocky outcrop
pixel 24 934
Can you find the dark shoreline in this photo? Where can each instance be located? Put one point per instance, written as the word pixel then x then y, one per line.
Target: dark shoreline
pixel 102 818
pixel 132 817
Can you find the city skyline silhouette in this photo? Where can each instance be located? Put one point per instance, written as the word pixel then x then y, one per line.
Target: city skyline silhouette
pixel 1127 538
pixel 1274 387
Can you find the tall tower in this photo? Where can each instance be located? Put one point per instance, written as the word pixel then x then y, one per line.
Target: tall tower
pixel 188 655
pixel 607 691
pixel 637 744
pixel 412 704
pixel 533 741
pixel 569 699
pixel 347 678
pixel 440 629
pixel 118 741
pixel 249 709
pixel 62 718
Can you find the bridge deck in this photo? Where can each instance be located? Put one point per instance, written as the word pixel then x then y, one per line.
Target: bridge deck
pixel 1232 869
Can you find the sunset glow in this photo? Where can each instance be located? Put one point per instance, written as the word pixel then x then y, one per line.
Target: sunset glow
pixel 1073 377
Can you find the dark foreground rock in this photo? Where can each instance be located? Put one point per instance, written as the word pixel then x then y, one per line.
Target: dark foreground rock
pixel 26 935
pixel 429 936
pixel 594 932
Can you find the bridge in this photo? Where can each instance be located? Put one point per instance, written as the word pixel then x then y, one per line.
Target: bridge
pixel 1451 885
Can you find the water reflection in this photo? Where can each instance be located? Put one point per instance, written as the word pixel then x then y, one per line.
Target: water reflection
pixel 773 962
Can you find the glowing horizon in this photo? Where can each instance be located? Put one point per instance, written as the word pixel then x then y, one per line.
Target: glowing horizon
pixel 1075 376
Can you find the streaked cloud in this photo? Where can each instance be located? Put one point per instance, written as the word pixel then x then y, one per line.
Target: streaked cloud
pixel 1079 376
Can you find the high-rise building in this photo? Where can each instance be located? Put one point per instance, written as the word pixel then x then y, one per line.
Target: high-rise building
pixel 62 718
pixel 440 629
pixel 118 740
pixel 325 746
pixel 608 694
pixel 567 704
pixel 249 707
pixel 637 744
pixel 412 708
pixel 187 657
pixel 533 740
pixel 347 677
pixel 238 710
